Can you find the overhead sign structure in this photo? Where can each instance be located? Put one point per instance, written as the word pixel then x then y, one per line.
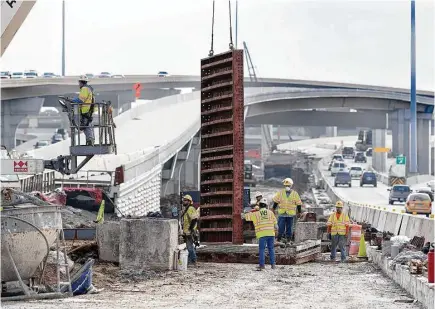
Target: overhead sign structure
pixel 21 166
pixel 400 160
pixel 381 149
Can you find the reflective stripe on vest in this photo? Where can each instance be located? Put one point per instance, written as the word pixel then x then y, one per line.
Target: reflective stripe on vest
pixel 287 205
pixel 338 225
pixel 264 223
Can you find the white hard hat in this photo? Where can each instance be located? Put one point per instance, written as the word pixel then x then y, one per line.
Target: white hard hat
pixel 264 201
pixel 83 78
pixel 258 193
pixel 288 182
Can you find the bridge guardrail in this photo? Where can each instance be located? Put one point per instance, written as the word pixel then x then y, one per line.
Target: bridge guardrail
pixel 381 219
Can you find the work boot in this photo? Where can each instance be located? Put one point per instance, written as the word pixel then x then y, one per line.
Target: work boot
pixel 260 268
pixel 90 142
pixel 273 266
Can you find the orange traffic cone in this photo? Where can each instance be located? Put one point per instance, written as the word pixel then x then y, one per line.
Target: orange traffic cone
pixel 362 253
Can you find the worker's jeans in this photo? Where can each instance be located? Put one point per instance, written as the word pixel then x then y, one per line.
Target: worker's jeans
pixel 285 226
pixel 339 240
pixel 262 243
pixel 87 128
pixel 191 249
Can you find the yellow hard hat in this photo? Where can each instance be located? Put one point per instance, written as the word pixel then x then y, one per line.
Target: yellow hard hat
pixel 339 204
pixel 287 182
pixel 188 197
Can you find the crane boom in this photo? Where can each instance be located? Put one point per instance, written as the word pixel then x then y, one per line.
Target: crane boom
pixel 13 14
pixel 251 69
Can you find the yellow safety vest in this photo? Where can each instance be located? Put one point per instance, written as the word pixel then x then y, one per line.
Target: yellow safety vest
pixel 287 205
pixel 188 217
pixel 264 222
pixel 338 226
pixel 86 96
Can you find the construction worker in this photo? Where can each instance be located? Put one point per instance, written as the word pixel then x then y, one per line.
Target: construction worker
pixel 265 224
pixel 338 227
pixel 190 221
pixel 258 198
pixel 289 205
pixel 86 98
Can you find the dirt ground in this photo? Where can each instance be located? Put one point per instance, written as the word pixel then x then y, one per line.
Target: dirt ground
pixel 312 285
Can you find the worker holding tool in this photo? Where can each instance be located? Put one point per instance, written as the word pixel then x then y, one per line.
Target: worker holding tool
pixel 265 224
pixel 86 98
pixel 338 228
pixel 190 221
pixel 289 206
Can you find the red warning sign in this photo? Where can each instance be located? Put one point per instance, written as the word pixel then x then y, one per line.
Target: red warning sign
pixel 21 166
pixel 138 88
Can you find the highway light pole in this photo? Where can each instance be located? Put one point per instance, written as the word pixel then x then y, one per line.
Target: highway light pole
pixel 413 169
pixel 63 37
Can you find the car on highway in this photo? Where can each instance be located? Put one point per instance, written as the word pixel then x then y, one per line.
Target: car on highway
pixel 62 132
pixel 337 157
pixel 419 203
pixel 162 74
pixel 90 75
pixel 16 75
pixel 56 138
pixel 343 178
pixel 369 152
pixel 31 74
pixel 368 178
pixel 427 191
pixel 337 166
pixel 431 185
pixel 118 76
pixel 399 193
pixel 360 157
pixel 105 75
pixel 48 75
pixel 356 171
pixel 348 153
pixel 41 144
pixel 5 75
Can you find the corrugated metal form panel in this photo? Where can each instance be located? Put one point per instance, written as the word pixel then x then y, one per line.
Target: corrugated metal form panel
pixel 222 147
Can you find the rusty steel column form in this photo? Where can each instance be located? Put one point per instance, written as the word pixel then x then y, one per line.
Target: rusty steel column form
pixel 222 147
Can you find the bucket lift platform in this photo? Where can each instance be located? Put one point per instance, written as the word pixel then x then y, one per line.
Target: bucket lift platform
pixel 104 132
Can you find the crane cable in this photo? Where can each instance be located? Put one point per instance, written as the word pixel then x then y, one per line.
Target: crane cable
pixel 211 52
pixel 231 26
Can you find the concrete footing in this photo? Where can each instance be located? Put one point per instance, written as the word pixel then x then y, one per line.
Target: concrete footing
pixel 416 285
pixel 108 241
pixel 148 243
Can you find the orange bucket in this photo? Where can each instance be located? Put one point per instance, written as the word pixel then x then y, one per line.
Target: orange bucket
pixel 355 236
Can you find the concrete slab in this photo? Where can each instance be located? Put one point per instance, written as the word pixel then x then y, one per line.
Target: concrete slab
pixel 376 215
pixel 319 211
pixel 382 221
pixel 414 226
pixel 148 243
pixel 307 230
pixel 108 241
pixel 390 222
pixel 427 229
pixel 405 219
pixel 399 219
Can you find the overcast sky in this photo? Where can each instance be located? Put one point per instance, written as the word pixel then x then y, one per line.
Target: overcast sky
pixel 347 41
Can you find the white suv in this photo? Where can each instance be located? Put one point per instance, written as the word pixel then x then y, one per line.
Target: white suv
pixel 356 171
pixel 337 166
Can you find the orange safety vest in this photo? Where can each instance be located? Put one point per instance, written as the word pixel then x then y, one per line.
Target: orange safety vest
pixel 264 222
pixel 338 225
pixel 287 205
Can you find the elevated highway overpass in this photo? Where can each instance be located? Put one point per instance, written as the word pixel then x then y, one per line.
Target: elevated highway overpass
pixel 159 139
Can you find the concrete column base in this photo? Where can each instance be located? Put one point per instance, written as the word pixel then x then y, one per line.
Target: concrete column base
pixel 148 243
pixel 108 241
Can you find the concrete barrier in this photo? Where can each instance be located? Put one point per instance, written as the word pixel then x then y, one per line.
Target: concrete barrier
pixel 108 241
pixel 416 285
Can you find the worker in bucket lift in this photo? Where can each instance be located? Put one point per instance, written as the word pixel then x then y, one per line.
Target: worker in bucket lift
pixel 265 224
pixel 86 98
pixel 289 205
pixel 338 228
pixel 190 221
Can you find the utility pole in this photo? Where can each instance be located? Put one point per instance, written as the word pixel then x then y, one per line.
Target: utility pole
pixel 63 37
pixel 413 166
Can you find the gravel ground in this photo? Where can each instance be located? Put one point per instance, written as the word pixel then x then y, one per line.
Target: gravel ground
pixel 313 285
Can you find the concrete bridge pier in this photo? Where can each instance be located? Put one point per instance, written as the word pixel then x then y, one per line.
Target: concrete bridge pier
pixel 331 131
pixel 173 178
pixel 424 158
pixel 12 113
pixel 379 159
